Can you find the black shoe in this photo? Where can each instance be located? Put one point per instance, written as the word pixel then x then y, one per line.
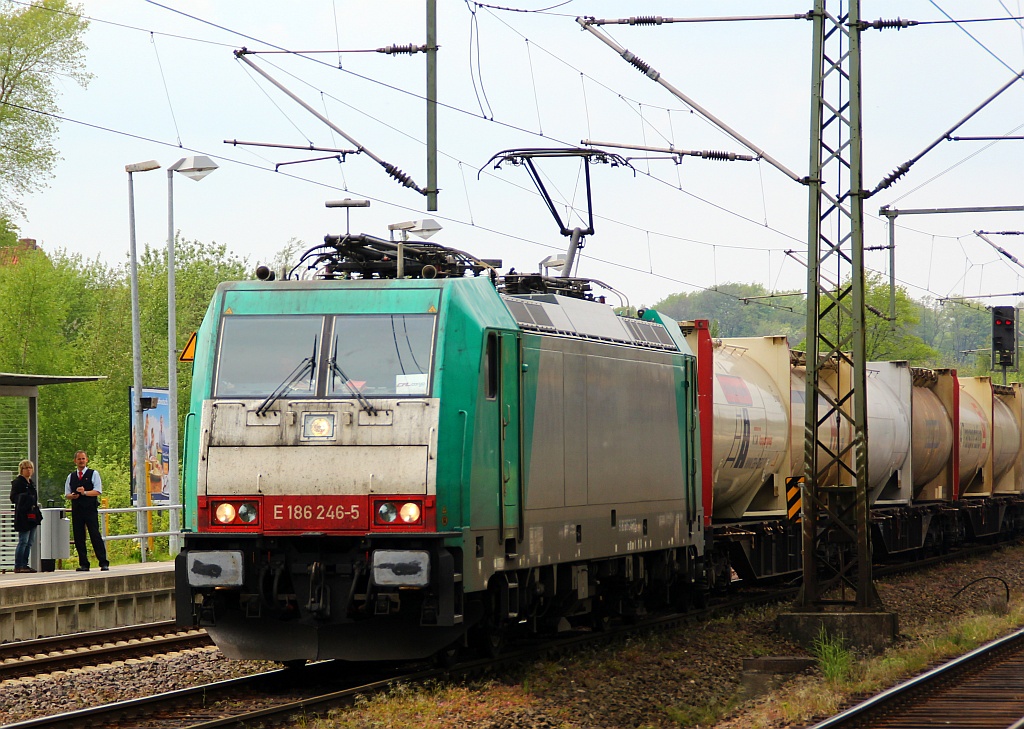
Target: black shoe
pixel 105 568
pixel 82 569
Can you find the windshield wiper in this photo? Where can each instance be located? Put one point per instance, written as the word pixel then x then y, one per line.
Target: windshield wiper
pixel 336 370
pixel 306 365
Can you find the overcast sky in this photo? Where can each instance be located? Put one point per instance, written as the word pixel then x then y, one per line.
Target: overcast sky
pixel 167 84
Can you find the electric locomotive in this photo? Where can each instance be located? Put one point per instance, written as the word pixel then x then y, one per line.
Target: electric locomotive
pixel 404 453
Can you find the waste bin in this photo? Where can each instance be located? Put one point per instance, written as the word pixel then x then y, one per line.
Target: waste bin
pixel 54 538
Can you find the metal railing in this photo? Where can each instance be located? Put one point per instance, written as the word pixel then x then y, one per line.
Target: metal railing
pixel 143 537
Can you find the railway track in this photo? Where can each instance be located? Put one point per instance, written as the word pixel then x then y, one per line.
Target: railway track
pixel 983 689
pixel 60 653
pixel 272 698
pixel 263 699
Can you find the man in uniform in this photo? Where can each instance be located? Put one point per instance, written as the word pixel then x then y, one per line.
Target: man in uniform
pixel 83 487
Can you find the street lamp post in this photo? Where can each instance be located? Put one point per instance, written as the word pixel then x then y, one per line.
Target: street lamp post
pixel 139 447
pixel 194 168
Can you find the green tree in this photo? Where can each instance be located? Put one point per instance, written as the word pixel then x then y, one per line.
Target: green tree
pixel 198 269
pixel 286 258
pixel 961 331
pixel 884 339
pixel 8 232
pixel 740 310
pixel 69 316
pixel 47 299
pixel 28 336
pixel 40 47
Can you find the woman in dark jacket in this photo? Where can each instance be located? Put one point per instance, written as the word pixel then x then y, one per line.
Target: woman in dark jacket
pixel 26 514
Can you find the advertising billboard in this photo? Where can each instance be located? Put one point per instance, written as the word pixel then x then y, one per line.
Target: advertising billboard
pixel 157 449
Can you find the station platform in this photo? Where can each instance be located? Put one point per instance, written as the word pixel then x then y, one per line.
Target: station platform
pixel 42 604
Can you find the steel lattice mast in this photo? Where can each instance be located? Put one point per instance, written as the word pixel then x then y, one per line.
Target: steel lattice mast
pixel 835 489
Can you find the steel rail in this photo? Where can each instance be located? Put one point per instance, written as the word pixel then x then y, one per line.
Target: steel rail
pixel 923 682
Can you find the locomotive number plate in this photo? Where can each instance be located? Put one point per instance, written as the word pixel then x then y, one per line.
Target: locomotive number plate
pixel 315 513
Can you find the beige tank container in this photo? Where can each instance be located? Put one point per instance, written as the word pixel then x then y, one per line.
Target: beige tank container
pixel 933 436
pixel 975 436
pixel 1007 439
pixel 750 443
pixel 933 448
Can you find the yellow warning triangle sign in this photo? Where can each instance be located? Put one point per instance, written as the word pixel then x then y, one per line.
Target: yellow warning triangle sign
pixel 189 353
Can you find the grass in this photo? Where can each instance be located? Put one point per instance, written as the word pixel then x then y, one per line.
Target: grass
pixel 835 660
pixel 844 676
pixel 430 707
pixel 695 716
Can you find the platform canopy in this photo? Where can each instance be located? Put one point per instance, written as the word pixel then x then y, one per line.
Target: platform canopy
pixel 8 379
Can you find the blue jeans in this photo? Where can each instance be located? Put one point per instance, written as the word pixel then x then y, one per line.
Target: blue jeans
pixel 24 548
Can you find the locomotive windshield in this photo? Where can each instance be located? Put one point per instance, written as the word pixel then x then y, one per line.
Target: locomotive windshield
pixel 259 353
pixel 381 355
pixel 362 355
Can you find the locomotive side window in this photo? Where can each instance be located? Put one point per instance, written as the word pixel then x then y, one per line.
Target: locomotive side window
pixel 491 366
pixel 381 355
pixel 259 353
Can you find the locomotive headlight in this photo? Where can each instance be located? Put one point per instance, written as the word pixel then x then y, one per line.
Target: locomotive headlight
pixel 248 512
pixel 225 513
pixel 387 512
pixel 318 425
pixel 410 512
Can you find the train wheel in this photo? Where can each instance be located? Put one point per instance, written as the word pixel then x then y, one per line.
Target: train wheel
pixel 292 665
pixel 450 656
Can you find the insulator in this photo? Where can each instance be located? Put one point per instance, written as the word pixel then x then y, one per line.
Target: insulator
pixel 715 154
pixel 408 48
pixel 399 175
pixel 881 24
pixel 641 65
pixel 647 20
pixel 894 175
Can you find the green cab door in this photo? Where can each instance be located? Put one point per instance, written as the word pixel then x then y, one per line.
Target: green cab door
pixel 509 450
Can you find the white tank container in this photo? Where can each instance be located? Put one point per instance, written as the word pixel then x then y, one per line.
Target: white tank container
pixel 751 429
pixel 933 436
pixel 888 432
pixel 836 432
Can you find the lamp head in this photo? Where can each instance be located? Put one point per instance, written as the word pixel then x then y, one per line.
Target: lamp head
pixel 419 228
pixel 348 202
pixel 142 166
pixel 194 168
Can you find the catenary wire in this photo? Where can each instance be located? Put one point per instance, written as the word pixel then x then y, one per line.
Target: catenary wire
pixel 172 35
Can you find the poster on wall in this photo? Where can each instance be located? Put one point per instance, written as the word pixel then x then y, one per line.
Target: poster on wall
pixel 157 450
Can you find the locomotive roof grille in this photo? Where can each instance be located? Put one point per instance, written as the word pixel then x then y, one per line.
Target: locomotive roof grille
pixel 550 314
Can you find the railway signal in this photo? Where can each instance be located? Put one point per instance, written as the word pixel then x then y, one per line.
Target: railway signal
pixel 1004 336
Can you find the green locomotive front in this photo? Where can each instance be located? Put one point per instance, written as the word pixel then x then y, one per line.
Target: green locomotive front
pixel 388 468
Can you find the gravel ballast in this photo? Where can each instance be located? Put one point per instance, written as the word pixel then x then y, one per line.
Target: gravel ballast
pixel 691 677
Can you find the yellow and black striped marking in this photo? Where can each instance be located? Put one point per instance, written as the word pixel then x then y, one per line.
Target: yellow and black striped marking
pixel 793 503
